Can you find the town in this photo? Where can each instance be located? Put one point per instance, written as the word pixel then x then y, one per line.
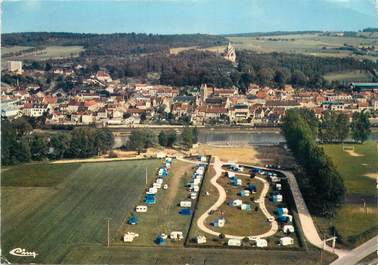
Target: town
pixel 98 99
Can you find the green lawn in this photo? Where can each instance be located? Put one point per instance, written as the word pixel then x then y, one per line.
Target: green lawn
pixel 355 170
pixel 52 220
pixel 349 76
pixel 354 223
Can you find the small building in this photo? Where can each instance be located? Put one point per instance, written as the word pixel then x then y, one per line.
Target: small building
pixel 286 241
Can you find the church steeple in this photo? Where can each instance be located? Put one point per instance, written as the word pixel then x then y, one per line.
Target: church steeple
pixel 229 53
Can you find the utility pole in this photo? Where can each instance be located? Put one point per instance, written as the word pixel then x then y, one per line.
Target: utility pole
pixel 146 178
pixel 108 220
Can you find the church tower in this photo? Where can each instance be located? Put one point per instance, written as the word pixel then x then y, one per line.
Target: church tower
pixel 229 53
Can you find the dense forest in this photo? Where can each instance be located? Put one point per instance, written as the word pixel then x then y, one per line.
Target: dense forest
pixel 119 44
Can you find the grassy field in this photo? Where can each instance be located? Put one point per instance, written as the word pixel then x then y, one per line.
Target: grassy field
pixel 53 219
pixel 193 256
pixel 50 52
pixel 163 217
pixel 353 222
pixel 310 44
pixel 349 76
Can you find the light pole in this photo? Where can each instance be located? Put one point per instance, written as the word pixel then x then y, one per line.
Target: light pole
pixel 108 221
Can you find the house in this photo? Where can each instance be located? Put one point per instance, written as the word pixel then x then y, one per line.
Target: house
pixel 15 67
pixel 240 112
pixel 35 109
pixel 103 76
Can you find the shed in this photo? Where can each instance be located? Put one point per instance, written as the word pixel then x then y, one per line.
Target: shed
pixel 286 241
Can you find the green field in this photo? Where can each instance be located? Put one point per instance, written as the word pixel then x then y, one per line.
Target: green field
pixel 50 52
pixel 353 222
pixel 56 218
pixel 309 44
pixel 349 76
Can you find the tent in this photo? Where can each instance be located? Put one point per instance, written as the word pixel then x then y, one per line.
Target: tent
pixel 150 199
pixel 252 187
pixel 277 198
pixel 160 240
pixel 185 211
pixel 133 220
pixel 282 210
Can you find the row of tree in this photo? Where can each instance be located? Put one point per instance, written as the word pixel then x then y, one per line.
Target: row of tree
pixel 140 140
pixel 20 144
pixel 336 127
pixel 321 184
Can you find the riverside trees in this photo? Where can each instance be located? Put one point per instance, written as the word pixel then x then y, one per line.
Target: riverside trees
pixel 322 185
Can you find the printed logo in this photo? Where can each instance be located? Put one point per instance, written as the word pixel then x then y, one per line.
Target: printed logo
pixel 21 252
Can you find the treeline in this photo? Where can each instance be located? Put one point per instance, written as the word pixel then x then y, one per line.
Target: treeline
pixel 19 143
pixel 117 44
pixel 321 184
pixel 140 140
pixel 336 127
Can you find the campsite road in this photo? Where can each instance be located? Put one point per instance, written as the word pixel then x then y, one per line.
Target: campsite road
pixel 358 253
pixel 221 199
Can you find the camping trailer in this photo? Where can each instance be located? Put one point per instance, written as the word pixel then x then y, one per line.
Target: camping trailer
pixel 237 203
pixel 176 235
pixel 129 236
pixel 234 242
pixel 185 204
pixel 165 187
pixel 261 243
pixel 286 241
pixel 288 229
pixel 201 239
pixel 278 186
pixel 193 195
pixel 245 207
pixel 244 193
pixel 141 209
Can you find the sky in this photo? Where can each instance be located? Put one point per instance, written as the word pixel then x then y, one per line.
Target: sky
pixel 186 16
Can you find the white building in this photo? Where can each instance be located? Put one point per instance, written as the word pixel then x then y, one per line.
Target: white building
pixel 15 66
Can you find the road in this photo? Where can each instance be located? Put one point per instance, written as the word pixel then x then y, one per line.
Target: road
pixel 221 199
pixel 357 254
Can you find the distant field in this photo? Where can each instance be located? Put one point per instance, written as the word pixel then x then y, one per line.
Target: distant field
pixel 349 76
pixel 360 172
pixel 50 52
pixel 52 220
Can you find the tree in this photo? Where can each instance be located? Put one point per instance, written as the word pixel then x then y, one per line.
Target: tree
pixel 265 76
pixel 59 143
pixel 82 142
pixel 282 76
pixel 171 138
pixel 342 127
pixel 195 135
pixel 163 141
pixel 187 137
pixel 141 139
pixel 328 127
pixel 39 148
pixel 360 126
pixel 104 140
pixel 298 78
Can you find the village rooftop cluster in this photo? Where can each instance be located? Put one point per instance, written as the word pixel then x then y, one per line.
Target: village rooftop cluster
pixel 98 99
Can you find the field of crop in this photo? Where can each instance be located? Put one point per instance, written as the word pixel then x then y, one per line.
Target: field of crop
pixel 349 76
pixel 50 52
pixel 310 44
pixel 359 170
pixel 163 217
pixel 64 214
